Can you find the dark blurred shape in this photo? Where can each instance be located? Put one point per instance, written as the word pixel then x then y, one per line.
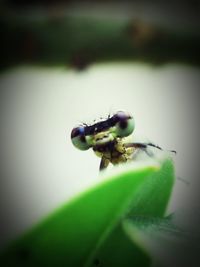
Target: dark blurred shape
pixel 81 59
pixel 142 33
pixel 23 255
pixel 29 46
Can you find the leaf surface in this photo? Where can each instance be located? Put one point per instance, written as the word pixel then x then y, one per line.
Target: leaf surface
pixel 88 230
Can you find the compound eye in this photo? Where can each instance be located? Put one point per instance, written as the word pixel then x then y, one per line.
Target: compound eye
pixel 124 124
pixel 78 138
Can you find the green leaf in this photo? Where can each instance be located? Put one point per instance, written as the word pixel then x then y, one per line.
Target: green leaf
pixel 152 197
pixel 88 230
pixel 163 239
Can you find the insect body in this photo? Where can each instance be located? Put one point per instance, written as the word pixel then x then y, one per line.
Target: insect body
pixel 109 139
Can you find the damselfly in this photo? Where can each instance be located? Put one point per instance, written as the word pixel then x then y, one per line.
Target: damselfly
pixel 110 139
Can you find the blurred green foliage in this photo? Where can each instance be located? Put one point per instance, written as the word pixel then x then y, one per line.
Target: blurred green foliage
pixel 75 41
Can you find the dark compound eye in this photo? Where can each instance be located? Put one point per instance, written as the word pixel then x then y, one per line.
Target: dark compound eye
pixel 77 131
pixel 78 138
pixel 124 124
pixel 120 115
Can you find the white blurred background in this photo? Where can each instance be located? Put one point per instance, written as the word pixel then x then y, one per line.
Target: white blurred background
pixel 40 169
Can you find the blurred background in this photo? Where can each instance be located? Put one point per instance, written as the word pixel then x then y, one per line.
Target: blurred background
pixel 67 62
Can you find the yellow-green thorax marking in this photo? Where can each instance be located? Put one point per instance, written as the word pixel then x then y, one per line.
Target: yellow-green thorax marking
pixel 114 152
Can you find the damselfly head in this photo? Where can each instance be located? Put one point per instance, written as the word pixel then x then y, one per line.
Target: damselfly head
pixel 119 125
